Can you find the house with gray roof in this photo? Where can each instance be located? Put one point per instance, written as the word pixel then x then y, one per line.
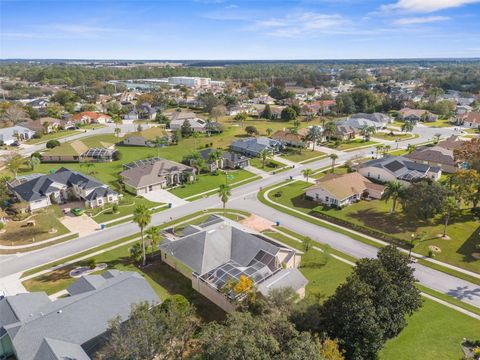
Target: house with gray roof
pixel 255 145
pixel 33 327
pixel 15 134
pixel 60 187
pixel 228 160
pixel 435 156
pixel 391 168
pixel 143 176
pixel 219 252
pixel 375 117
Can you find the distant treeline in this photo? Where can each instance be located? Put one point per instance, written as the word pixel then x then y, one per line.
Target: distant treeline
pixel 461 75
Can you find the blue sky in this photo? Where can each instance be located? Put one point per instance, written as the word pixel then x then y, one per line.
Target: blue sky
pixel 241 29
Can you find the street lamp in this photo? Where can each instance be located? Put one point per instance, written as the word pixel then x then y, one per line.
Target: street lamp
pixel 412 238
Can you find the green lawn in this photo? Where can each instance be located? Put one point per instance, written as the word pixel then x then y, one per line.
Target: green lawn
pixel 396 136
pixel 270 165
pixel 351 145
pixel 206 182
pixel 55 135
pixel 375 214
pixel 435 332
pixel 295 155
pixel 18 233
pixel 438 123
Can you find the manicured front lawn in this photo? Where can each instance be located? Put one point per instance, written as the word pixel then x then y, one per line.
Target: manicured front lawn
pixel 438 123
pixel 206 182
pixel 463 229
pixel 18 233
pixel 269 164
pixel 350 145
pixel 295 155
pixel 125 207
pixel 435 332
pixel 56 135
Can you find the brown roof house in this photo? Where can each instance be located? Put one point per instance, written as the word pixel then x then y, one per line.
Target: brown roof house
pixel 288 138
pixel 77 151
pixel 435 156
pixel 143 176
pixel 417 115
pixel 342 190
pixel 470 119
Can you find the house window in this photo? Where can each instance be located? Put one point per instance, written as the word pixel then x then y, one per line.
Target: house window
pixel 100 201
pixel 326 198
pixel 150 187
pixel 368 175
pixel 378 176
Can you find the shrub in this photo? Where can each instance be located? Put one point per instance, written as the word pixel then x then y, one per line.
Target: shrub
pixel 52 143
pixel 91 263
pixel 115 208
pixel 431 254
pixel 36 154
pixel 117 155
pixel 37 135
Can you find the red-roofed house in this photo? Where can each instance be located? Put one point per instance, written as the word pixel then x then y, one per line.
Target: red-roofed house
pixel 89 117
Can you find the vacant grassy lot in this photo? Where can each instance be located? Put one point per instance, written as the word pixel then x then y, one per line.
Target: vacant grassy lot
pixel 463 229
pixel 18 233
pixel 206 182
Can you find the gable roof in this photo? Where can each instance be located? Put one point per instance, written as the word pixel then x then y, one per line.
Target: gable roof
pixel 402 168
pixel 434 154
pixel 283 135
pixel 57 329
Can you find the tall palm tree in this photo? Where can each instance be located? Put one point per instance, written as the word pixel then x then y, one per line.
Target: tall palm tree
pixel 333 157
pixel 307 173
pixel 224 193
pixel 366 131
pixel 142 216
pixel 314 135
pixel 117 131
pixel 265 155
pixel 215 156
pixel 393 190
pixel 152 237
pixel 330 129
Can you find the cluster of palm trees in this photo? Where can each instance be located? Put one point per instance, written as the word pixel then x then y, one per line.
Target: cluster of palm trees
pixel 382 149
pixel 367 131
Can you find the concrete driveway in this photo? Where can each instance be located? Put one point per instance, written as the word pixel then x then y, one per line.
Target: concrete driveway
pixel 164 196
pixel 83 225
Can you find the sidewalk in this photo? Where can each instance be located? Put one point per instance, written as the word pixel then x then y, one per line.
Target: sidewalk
pixel 257 171
pixel 26 246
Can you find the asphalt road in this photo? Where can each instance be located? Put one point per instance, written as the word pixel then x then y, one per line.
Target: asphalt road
pixel 244 198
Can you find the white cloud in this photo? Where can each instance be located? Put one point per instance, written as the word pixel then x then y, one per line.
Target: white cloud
pixel 420 20
pixel 301 24
pixel 426 6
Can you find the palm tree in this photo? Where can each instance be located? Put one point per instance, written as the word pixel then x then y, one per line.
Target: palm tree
pixel 269 131
pixel 407 126
pixel 333 157
pixel 224 193
pixel 13 162
pixel 366 131
pixel 393 190
pixel 307 173
pixel 33 162
pixel 117 131
pixel 314 135
pixel 450 205
pixel 265 155
pixel 379 149
pixel 215 156
pixel 142 217
pixel 197 161
pixel 386 149
pixel 152 237
pixel 330 129
pixel 411 148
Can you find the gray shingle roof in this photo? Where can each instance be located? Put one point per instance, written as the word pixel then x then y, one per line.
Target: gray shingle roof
pixel 287 278
pixel 75 320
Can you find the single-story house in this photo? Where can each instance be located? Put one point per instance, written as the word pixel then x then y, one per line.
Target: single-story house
pixel 435 156
pixel 318 107
pixel 218 252
pixel 146 111
pixel 78 151
pixel 146 137
pixel 342 190
pixel 47 125
pixel 288 138
pixel 197 124
pixel 228 160
pixel 470 119
pixel 89 117
pixel 345 132
pixel 416 115
pixel 14 134
pixel 399 168
pixel 254 146
pixel 358 123
pixel 60 187
pixel 131 115
pixel 34 327
pixel 143 176
pixel 375 117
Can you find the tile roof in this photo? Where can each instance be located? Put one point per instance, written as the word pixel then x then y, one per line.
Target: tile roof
pixel 343 186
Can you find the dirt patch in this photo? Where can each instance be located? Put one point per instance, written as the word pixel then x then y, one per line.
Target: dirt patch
pixel 446 237
pixel 435 249
pixel 257 223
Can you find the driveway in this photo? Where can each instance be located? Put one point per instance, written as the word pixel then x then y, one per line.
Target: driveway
pixel 83 225
pixel 164 196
